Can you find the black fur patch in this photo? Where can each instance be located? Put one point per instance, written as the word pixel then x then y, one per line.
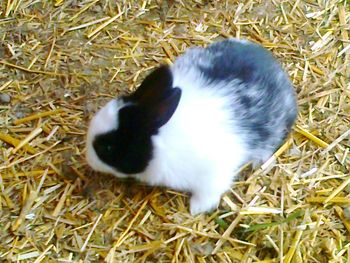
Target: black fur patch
pixel 129 148
pixel 153 87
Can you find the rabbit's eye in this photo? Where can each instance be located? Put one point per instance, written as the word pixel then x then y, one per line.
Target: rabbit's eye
pixel 108 148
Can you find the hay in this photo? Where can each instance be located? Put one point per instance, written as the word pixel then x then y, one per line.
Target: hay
pixel 61 60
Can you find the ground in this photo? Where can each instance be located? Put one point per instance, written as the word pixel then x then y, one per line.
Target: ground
pixel 61 60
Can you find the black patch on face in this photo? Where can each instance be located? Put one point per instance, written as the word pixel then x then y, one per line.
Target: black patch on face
pixel 129 148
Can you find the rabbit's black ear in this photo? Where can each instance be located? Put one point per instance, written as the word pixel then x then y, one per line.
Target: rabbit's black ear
pixel 153 87
pixel 161 112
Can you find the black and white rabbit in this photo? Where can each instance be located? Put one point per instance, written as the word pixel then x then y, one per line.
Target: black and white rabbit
pixel 192 125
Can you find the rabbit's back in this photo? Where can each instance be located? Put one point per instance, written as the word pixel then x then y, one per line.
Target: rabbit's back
pixel 260 95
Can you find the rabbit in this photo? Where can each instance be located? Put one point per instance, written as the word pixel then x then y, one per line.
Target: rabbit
pixel 191 125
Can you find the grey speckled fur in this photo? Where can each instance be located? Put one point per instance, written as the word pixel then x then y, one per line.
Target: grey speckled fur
pixel 263 99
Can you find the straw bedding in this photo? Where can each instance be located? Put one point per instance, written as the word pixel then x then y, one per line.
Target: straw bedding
pixel 61 60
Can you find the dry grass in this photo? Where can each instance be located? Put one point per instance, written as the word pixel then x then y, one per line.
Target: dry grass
pixel 60 60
